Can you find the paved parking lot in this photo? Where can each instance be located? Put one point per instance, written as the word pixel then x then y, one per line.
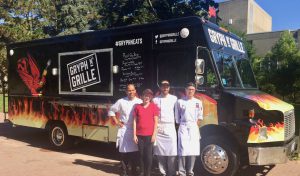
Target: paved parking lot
pixel 25 151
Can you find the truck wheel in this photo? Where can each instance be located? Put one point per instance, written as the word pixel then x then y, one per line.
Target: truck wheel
pixel 218 157
pixel 59 138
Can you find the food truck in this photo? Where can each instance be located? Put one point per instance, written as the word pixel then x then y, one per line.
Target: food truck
pixel 67 84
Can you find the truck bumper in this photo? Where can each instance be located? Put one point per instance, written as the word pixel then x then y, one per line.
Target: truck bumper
pixel 272 155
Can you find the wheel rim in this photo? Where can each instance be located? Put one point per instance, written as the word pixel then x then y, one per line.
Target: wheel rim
pixel 214 159
pixel 58 136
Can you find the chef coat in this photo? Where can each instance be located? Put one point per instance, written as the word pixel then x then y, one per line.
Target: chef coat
pixel 125 108
pixel 187 113
pixel 166 139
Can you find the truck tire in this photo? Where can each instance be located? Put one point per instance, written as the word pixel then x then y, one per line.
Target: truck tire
pixel 218 157
pixel 59 138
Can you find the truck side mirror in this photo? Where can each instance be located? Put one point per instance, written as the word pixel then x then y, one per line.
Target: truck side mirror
pixel 199 79
pixel 199 66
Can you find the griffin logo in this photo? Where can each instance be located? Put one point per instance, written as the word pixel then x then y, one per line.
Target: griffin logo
pixel 30 74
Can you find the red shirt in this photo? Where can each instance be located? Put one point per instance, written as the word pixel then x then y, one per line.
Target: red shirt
pixel 145 119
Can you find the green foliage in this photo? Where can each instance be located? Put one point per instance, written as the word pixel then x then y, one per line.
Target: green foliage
pixel 281 67
pixel 124 12
pixel 19 21
pixel 285 49
pixel 70 16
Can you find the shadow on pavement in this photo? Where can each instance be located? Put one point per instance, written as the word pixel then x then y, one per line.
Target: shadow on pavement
pixel 108 167
pixel 254 170
pixel 39 138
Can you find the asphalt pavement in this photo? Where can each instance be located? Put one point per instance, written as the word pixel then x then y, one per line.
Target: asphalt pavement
pixel 25 151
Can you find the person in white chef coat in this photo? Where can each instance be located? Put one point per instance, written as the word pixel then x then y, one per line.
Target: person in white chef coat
pixel 166 139
pixel 127 147
pixel 188 114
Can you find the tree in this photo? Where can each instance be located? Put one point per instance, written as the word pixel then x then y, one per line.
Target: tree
pixel 124 12
pixel 282 66
pixel 19 21
pixel 70 16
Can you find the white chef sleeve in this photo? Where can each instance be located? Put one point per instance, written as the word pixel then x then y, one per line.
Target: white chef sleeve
pixel 177 112
pixel 114 108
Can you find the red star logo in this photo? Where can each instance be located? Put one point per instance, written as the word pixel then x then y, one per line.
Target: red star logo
pixel 212 11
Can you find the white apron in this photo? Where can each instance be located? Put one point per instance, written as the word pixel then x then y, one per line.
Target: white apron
pixel 187 113
pixel 125 140
pixel 188 139
pixel 125 107
pixel 166 140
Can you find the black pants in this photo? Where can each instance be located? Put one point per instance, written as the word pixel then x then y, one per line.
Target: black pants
pixel 132 158
pixel 146 154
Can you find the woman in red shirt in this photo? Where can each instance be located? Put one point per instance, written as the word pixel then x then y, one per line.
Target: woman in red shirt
pixel 145 117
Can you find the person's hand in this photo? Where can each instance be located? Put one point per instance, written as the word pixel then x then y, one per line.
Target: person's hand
pixel 198 122
pixel 153 138
pixel 135 139
pixel 120 124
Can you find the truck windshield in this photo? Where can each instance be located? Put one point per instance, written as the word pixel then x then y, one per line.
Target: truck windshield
pixel 234 71
pixel 245 71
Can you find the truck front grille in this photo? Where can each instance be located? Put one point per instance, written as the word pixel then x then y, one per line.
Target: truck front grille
pixel 289 125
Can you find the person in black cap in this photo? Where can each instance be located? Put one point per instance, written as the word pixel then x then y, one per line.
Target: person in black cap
pixel 188 114
pixel 166 140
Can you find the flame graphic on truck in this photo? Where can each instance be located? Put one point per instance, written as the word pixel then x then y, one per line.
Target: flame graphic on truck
pixel 260 132
pixel 269 102
pixel 32 112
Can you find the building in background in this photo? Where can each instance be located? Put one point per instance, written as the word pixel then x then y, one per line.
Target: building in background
pixel 245 15
pixel 263 42
pixel 248 17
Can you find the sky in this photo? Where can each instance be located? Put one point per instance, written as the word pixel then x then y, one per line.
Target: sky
pixel 285 14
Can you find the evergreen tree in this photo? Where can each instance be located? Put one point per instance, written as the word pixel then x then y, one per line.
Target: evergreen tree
pixel 19 21
pixel 71 16
pixel 124 12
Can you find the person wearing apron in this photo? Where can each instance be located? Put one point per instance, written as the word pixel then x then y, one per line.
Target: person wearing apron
pixel 188 113
pixel 127 148
pixel 166 139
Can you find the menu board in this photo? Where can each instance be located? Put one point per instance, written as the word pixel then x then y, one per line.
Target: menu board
pixel 131 70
